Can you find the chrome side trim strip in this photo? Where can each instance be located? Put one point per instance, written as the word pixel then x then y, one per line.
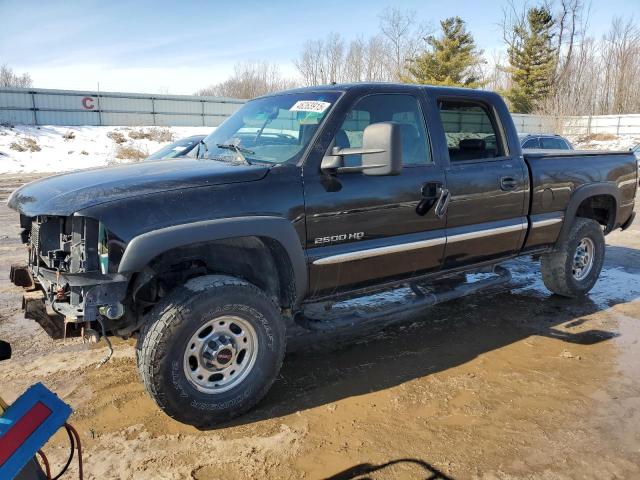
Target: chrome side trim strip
pixel 460 237
pixel 404 247
pixel 545 223
pixel 376 252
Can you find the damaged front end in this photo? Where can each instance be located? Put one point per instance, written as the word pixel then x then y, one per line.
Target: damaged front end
pixel 71 280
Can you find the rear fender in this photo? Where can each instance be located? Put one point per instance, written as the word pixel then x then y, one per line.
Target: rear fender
pixel 580 195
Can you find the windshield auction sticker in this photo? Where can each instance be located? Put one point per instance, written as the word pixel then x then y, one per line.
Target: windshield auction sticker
pixel 309 106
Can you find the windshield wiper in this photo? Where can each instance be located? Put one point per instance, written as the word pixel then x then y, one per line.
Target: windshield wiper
pixel 238 149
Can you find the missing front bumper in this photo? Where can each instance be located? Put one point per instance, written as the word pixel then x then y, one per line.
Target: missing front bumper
pixel 90 292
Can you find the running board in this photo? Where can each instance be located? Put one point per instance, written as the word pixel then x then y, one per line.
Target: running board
pixel 423 296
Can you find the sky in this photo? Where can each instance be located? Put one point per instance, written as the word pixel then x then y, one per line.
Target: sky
pixel 179 47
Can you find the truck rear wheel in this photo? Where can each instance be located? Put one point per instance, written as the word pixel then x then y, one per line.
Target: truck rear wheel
pixel 574 268
pixel 211 350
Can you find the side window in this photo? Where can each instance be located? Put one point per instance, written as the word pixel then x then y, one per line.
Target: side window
pixel 553 143
pixel 402 109
pixel 470 129
pixel 531 143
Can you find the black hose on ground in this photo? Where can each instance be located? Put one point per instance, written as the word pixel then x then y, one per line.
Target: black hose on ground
pixel 107 341
pixel 72 446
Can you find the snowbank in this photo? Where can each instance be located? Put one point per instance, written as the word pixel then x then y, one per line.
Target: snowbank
pixel 603 141
pixel 25 149
pixel 51 148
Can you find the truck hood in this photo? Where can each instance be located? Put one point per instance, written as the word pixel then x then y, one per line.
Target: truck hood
pixel 67 193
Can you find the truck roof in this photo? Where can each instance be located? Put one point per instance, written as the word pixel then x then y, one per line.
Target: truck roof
pixel 384 86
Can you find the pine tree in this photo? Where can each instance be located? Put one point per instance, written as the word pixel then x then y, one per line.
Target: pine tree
pixel 452 59
pixel 532 60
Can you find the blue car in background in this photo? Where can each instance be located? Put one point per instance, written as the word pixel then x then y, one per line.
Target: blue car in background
pixel 542 141
pixel 179 148
pixel 536 141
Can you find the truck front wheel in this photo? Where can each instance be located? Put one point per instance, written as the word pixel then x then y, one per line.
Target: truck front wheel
pixel 211 350
pixel 573 269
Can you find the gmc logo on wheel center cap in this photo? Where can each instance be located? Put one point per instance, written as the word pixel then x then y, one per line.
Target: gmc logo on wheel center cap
pixel 224 355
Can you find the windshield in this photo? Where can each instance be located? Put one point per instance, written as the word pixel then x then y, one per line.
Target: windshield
pixel 274 129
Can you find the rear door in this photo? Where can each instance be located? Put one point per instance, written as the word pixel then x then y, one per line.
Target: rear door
pixel 486 218
pixel 364 229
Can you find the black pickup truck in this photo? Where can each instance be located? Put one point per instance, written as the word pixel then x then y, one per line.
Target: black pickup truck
pixel 300 199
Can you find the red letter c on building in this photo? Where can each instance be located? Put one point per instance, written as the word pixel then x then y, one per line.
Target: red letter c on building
pixel 87 102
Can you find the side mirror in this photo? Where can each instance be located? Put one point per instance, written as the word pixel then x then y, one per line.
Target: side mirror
pixel 385 138
pixel 381 152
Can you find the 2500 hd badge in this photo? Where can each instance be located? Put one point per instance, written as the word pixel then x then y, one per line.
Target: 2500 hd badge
pixel 343 237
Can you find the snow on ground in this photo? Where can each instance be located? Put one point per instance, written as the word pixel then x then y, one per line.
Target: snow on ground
pixel 50 148
pixel 603 141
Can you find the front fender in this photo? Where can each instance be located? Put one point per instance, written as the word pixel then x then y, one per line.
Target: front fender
pixel 145 247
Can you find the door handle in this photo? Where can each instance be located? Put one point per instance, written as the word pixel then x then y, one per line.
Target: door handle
pixel 430 192
pixel 508 183
pixel 443 203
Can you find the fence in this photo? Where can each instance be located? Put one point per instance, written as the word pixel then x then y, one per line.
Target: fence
pixel 80 107
pixel 535 123
pixel 72 107
pixel 615 124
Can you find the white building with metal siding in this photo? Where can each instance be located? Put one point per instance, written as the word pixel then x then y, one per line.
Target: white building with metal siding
pixel 36 106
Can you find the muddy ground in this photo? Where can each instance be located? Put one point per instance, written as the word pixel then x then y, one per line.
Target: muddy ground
pixel 514 385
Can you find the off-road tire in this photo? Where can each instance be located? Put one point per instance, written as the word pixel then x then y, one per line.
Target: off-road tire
pixel 161 345
pixel 557 266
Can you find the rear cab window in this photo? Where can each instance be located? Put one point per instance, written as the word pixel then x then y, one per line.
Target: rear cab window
pixel 471 130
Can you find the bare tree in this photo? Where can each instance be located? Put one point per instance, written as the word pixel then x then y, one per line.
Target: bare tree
pixel 382 57
pixel 356 60
pixel 377 66
pixel 322 61
pixel 514 20
pixel 310 63
pixel 571 22
pixel 404 37
pixel 577 91
pixel 494 72
pixel 601 77
pixel 250 80
pixel 10 79
pixel 334 58
pixel 621 52
pixel 365 61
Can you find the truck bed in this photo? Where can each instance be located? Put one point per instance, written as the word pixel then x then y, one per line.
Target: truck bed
pixel 558 176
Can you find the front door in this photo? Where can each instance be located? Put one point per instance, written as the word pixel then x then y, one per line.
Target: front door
pixel 363 229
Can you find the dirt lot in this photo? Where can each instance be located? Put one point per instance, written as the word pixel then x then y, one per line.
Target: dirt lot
pixel 518 384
